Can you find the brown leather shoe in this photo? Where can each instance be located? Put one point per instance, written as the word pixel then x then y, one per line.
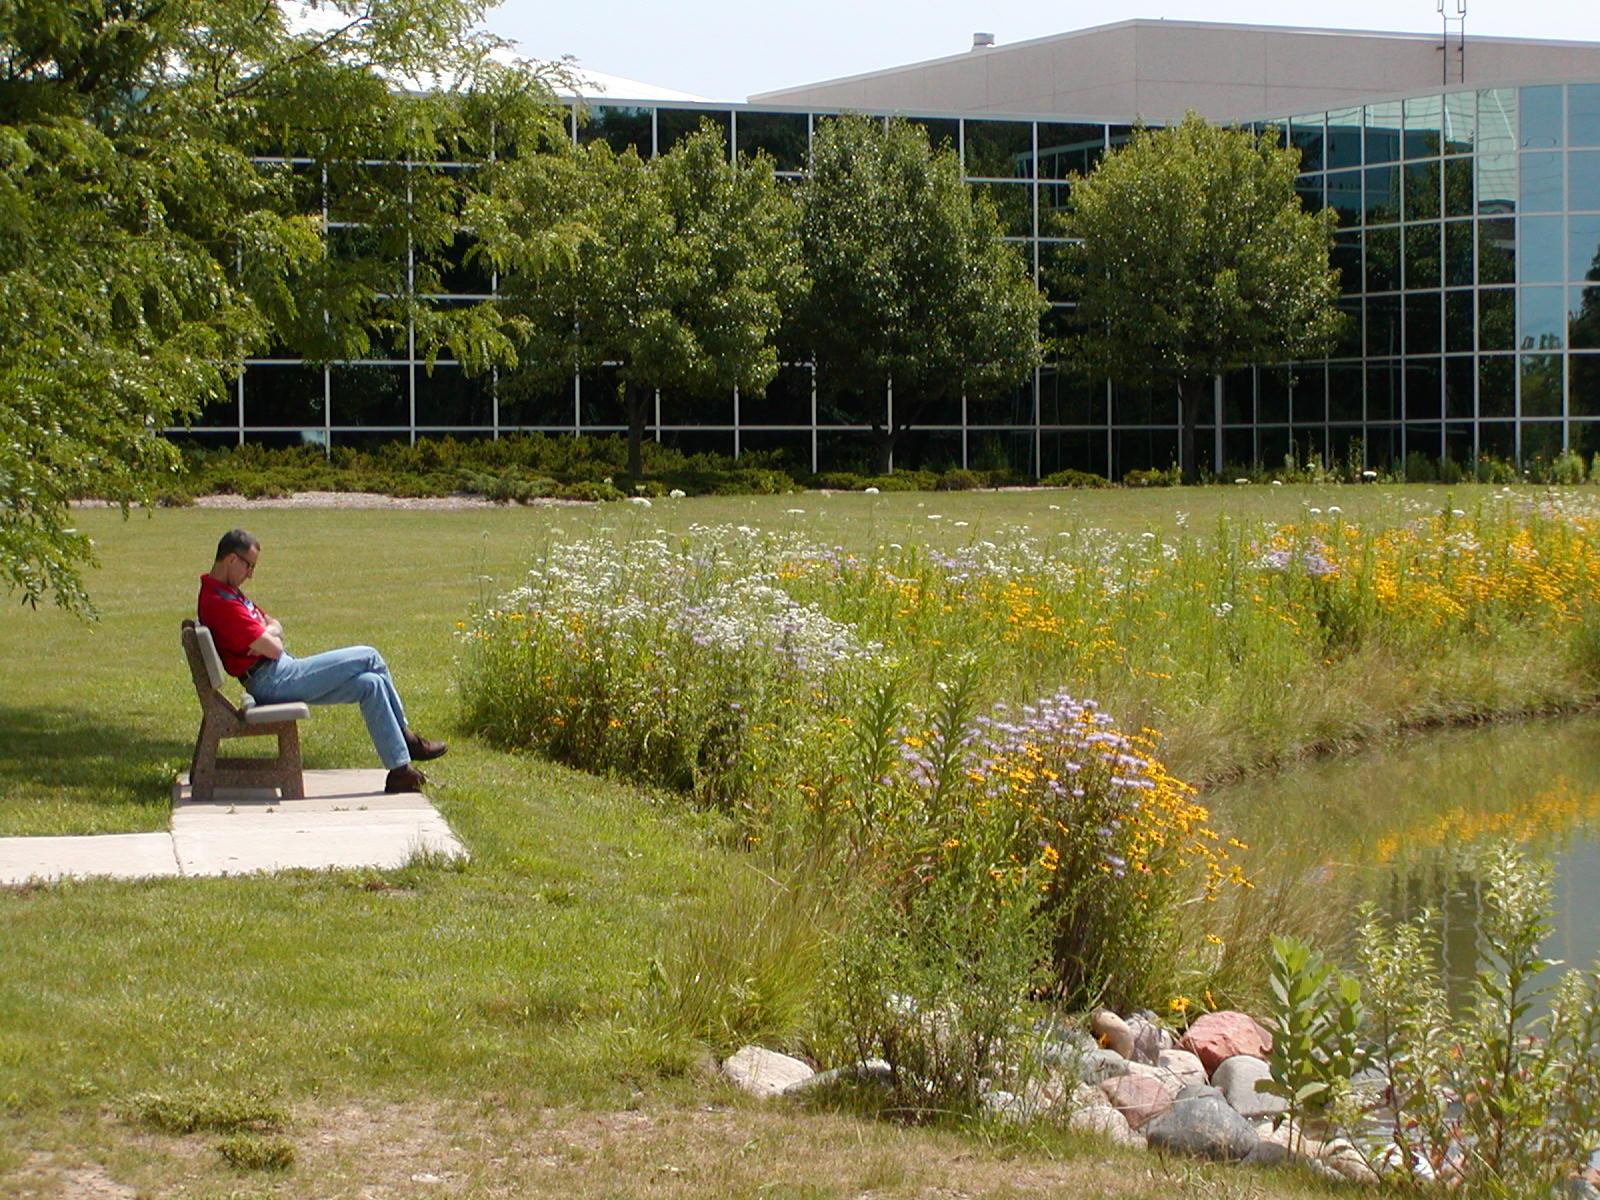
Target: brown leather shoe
pixel 404 778
pixel 423 749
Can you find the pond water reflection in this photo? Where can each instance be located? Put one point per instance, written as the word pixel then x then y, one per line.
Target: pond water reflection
pixel 1398 827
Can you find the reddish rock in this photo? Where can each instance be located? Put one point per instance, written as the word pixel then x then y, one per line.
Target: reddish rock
pixel 1139 1098
pixel 1221 1035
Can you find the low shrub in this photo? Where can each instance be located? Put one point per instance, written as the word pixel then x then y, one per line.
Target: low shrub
pixel 1171 477
pixel 960 481
pixel 586 490
pixel 1074 479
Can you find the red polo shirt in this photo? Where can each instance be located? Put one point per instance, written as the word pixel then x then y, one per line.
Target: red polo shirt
pixel 234 622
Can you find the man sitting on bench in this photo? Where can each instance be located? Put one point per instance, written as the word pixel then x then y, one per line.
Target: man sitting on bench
pixel 250 644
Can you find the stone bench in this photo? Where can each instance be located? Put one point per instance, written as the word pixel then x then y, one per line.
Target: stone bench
pixel 220 719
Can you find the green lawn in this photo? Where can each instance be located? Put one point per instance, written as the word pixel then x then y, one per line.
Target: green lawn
pixel 474 1011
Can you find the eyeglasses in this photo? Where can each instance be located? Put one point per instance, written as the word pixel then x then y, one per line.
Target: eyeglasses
pixel 249 566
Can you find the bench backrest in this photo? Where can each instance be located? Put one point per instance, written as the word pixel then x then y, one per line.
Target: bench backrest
pixel 205 665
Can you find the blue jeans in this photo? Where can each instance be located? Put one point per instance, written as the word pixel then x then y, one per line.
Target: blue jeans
pixel 354 675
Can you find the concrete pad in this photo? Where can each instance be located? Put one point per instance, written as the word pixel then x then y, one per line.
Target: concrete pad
pixel 122 855
pixel 345 820
pixel 240 844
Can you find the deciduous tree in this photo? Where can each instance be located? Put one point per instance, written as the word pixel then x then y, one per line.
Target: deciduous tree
pixel 912 285
pixel 144 251
pixel 673 272
pixel 1195 257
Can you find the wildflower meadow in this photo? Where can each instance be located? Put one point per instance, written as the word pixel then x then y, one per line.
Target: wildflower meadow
pixel 1013 722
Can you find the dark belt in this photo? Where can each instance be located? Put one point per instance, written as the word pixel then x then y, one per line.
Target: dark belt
pixel 253 668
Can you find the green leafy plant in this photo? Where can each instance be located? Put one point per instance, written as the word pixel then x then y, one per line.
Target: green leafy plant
pixel 1315 1020
pixel 256 1152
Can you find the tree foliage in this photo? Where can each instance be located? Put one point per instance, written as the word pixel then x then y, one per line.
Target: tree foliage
pixel 143 252
pixel 673 272
pixel 911 282
pixel 1195 257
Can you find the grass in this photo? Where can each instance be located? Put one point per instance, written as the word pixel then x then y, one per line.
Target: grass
pixel 472 1024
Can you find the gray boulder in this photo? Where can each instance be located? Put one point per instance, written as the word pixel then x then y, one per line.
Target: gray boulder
pixel 1098 1065
pixel 1236 1078
pixel 763 1072
pixel 1201 1123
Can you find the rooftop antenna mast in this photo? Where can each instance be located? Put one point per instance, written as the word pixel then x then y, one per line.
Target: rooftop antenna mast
pixel 1458 19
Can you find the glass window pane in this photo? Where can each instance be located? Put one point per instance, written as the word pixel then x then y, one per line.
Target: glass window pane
pixel 1424 379
pixel 1424 126
pixel 283 396
pixel 1583 114
pixel 1422 323
pixel 782 136
pixel 1344 391
pixel 1541 386
pixel 1422 256
pixel 675 124
pixel 1383 195
pixel 1583 180
pixel 1541 318
pixel 1383 132
pixel 1383 391
pixel 1460 388
pixel 1496 319
pixel 1497 251
pixel 1307 135
pixel 1460 122
pixel 1541 117
pixel 1497 120
pixel 1344 196
pixel 527 400
pixel 370 396
pixel 1069 149
pixel 998 149
pixel 1497 183
pixel 620 126
pixel 1583 384
pixel 1583 242
pixel 1458 191
pixel 1383 326
pixel 1583 318
pixel 1422 191
pixel 1458 265
pixel 1540 251
pixel 1541 183
pixel 1460 323
pixel 1383 259
pixel 1496 394
pixel 447 396
pixel 1344 138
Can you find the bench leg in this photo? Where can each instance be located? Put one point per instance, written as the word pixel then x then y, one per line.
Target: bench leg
pixel 292 778
pixel 203 767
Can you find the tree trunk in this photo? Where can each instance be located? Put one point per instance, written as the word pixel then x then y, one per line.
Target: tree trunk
pixel 886 439
pixel 1193 393
pixel 635 402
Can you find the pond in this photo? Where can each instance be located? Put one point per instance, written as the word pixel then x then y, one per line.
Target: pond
pixel 1397 826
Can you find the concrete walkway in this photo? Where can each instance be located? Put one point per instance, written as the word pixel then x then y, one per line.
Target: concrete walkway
pixel 344 821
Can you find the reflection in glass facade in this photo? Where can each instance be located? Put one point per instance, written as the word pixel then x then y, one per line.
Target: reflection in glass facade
pixel 1468 247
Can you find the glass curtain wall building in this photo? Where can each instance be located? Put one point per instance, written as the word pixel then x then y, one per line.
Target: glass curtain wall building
pixel 1468 245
